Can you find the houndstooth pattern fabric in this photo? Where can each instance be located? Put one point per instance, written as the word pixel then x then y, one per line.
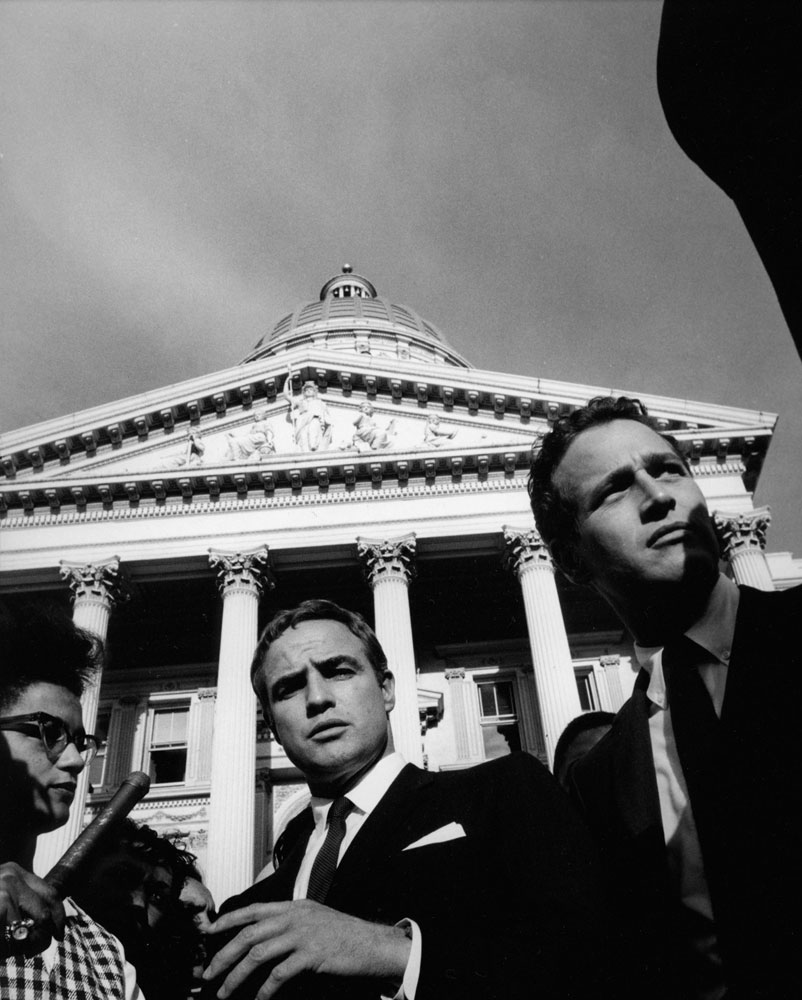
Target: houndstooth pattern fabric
pixel 88 966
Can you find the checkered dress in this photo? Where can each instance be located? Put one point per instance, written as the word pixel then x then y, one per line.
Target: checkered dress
pixel 88 966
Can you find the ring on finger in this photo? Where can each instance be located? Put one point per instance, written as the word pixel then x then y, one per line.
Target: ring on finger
pixel 17 930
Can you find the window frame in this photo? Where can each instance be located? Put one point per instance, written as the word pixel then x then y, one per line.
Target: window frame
pixel 154 706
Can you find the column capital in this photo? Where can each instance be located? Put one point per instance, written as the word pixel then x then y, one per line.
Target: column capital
pixel 99 582
pixel 263 777
pixel 525 550
pixel 388 558
pixel 455 673
pixel 609 660
pixel 242 571
pixel 746 530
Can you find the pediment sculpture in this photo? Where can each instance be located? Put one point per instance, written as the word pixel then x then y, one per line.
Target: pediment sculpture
pixel 309 416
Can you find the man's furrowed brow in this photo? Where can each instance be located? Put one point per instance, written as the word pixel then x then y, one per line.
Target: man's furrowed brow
pixel 337 660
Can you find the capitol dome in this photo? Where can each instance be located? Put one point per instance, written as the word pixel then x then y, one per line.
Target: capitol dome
pixel 350 316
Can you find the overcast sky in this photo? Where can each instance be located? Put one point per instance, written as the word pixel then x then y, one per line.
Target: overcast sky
pixel 177 176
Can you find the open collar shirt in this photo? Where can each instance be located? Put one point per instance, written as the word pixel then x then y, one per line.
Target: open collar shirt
pixel 714 632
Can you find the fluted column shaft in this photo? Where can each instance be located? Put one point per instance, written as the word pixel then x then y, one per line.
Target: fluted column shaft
pixel 241 577
pixel 611 665
pixel 389 567
pixel 95 588
pixel 743 540
pixel 557 692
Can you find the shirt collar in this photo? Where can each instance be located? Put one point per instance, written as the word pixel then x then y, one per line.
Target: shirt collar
pixel 713 631
pixel 368 791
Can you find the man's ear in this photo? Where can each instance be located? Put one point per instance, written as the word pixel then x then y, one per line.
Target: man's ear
pixel 567 558
pixel 388 690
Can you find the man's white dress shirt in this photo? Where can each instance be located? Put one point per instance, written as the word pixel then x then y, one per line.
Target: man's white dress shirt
pixel 714 632
pixel 365 796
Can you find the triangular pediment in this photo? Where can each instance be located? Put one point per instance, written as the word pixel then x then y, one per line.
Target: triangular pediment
pixel 232 424
pixel 266 435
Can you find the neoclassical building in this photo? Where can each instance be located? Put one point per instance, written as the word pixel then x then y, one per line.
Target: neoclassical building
pixel 353 454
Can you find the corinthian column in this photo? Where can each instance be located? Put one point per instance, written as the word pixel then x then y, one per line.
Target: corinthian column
pixel 557 692
pixel 95 587
pixel 743 539
pixel 241 577
pixel 389 567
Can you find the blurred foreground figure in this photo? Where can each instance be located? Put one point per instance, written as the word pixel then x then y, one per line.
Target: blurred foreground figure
pixel 134 888
pixel 579 736
pixel 47 948
pixel 730 81
pixel 479 884
pixel 694 793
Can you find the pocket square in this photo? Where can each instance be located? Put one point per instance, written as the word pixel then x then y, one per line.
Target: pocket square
pixel 451 831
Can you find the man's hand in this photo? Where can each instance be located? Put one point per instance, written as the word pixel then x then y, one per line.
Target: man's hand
pixel 25 896
pixel 288 938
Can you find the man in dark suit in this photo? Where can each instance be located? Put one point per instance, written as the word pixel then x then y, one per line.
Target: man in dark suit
pixel 398 882
pixel 694 793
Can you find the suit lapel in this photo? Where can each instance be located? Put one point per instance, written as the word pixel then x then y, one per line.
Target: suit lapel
pixel 290 864
pixel 629 754
pixel 281 883
pixel 391 825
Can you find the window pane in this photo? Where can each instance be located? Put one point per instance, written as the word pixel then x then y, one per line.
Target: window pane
pixel 500 740
pixel 169 726
pixel 497 700
pixel 506 705
pixel 488 699
pixel 168 766
pixel 586 693
pixel 98 765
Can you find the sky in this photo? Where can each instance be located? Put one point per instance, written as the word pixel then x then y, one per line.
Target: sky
pixel 176 176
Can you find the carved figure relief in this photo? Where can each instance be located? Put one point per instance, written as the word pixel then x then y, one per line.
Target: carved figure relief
pixel 434 433
pixel 252 444
pixel 309 416
pixel 368 435
pixel 191 455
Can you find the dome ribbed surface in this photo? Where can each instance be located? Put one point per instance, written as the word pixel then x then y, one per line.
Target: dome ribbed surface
pixel 350 315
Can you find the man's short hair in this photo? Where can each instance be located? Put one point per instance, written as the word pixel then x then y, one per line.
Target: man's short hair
pixel 42 645
pixel 555 515
pixel 310 611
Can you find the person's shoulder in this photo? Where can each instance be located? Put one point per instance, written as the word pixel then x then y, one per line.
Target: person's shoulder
pixel 789 597
pixel 765 610
pixel 514 767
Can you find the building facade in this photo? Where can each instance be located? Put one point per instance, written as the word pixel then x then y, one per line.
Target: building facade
pixel 353 455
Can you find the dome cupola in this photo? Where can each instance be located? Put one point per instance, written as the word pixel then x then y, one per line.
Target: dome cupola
pixel 350 316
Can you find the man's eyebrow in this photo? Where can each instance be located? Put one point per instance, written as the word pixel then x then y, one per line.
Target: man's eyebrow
pixel 335 661
pixel 327 663
pixel 289 676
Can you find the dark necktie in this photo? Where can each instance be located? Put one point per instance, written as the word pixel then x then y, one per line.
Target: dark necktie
pixel 699 739
pixel 325 864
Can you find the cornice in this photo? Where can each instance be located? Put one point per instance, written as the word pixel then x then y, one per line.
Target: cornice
pixel 175 408
pixel 430 476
